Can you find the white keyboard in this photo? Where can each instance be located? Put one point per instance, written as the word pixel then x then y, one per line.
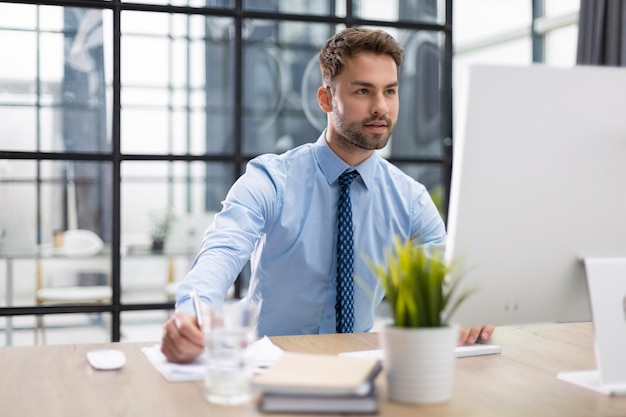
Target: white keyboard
pixel 461 351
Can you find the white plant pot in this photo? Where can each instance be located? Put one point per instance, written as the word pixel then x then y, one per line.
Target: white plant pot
pixel 419 363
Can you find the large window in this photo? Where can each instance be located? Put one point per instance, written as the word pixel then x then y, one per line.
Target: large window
pixel 512 32
pixel 123 123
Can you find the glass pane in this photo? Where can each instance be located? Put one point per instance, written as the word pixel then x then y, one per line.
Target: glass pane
pixel 18 210
pixel 133 97
pixel 142 326
pixel 51 18
pixel 19 51
pixel 418 130
pixel 145 60
pixel 76 195
pixel 180 94
pixel 184 188
pixel 323 7
pixel 18 16
pixel 430 11
pixel 151 189
pixel 145 130
pixel 142 23
pixel 191 3
pixel 152 277
pixel 76 222
pixel 478 20
pixel 56 80
pixel 281 77
pixel 560 7
pixel 58 329
pixel 517 52
pixel 56 234
pixel 18 97
pixel 561 46
pixel 18 128
pixel 174 201
pixel 52 72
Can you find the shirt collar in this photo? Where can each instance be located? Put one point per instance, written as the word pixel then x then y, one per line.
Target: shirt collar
pixel 332 166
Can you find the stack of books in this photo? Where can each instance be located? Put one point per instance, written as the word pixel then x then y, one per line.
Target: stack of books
pixel 311 383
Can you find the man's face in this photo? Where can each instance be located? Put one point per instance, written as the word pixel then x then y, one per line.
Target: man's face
pixel 365 101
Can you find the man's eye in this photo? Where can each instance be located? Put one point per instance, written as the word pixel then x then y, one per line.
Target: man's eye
pixel 361 91
pixel 392 92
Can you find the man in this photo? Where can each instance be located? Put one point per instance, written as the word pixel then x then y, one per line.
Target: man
pixel 282 214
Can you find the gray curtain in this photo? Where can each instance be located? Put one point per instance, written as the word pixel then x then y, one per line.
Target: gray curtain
pixel 602 33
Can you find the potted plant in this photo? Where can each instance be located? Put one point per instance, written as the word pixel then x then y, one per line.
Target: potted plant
pixel 419 345
pixel 160 223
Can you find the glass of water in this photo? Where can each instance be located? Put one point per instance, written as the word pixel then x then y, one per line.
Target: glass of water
pixel 229 330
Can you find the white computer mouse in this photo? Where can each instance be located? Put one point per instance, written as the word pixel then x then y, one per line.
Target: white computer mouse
pixel 106 359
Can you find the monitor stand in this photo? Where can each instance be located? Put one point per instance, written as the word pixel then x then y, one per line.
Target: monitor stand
pixel 606 280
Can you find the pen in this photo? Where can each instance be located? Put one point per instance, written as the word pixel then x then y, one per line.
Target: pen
pixel 196 306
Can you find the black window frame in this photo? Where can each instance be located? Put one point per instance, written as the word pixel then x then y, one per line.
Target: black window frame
pixel 238 158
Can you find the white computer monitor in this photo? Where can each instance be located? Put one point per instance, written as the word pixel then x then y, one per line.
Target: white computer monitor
pixel 539 191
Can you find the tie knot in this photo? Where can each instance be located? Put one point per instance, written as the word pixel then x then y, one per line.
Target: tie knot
pixel 347 177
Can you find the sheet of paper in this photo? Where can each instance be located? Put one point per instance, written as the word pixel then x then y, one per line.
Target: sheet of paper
pixel 264 351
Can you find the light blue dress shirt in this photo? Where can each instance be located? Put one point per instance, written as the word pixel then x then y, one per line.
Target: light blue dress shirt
pixel 282 213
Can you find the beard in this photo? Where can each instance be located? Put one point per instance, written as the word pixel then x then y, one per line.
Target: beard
pixel 354 134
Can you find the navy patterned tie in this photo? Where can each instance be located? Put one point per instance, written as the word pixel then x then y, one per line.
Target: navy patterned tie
pixel 344 306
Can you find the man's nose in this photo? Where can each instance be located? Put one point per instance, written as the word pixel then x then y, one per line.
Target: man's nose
pixel 379 105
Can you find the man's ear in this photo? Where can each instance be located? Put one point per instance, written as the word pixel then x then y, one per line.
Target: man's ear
pixel 324 99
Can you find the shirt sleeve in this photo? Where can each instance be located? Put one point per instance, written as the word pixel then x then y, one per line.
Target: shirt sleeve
pixel 229 242
pixel 428 226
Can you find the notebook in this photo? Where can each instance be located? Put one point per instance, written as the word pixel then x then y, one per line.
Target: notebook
pixel 314 374
pixel 319 404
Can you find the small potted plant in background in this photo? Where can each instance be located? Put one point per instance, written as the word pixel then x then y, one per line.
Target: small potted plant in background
pixel 419 345
pixel 160 223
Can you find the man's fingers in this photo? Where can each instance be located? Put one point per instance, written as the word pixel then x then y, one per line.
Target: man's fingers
pixel 167 350
pixel 181 351
pixel 170 341
pixel 187 328
pixel 182 339
pixel 471 335
pixel 463 336
pixel 486 332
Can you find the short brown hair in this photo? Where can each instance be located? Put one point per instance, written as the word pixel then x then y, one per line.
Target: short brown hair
pixel 349 43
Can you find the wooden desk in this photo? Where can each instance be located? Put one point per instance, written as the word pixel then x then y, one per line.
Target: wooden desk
pixel 57 381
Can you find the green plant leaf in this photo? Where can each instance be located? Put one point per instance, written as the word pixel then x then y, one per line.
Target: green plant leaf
pixel 419 286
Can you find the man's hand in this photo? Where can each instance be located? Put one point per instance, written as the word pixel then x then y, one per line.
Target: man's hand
pixel 182 339
pixel 473 334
